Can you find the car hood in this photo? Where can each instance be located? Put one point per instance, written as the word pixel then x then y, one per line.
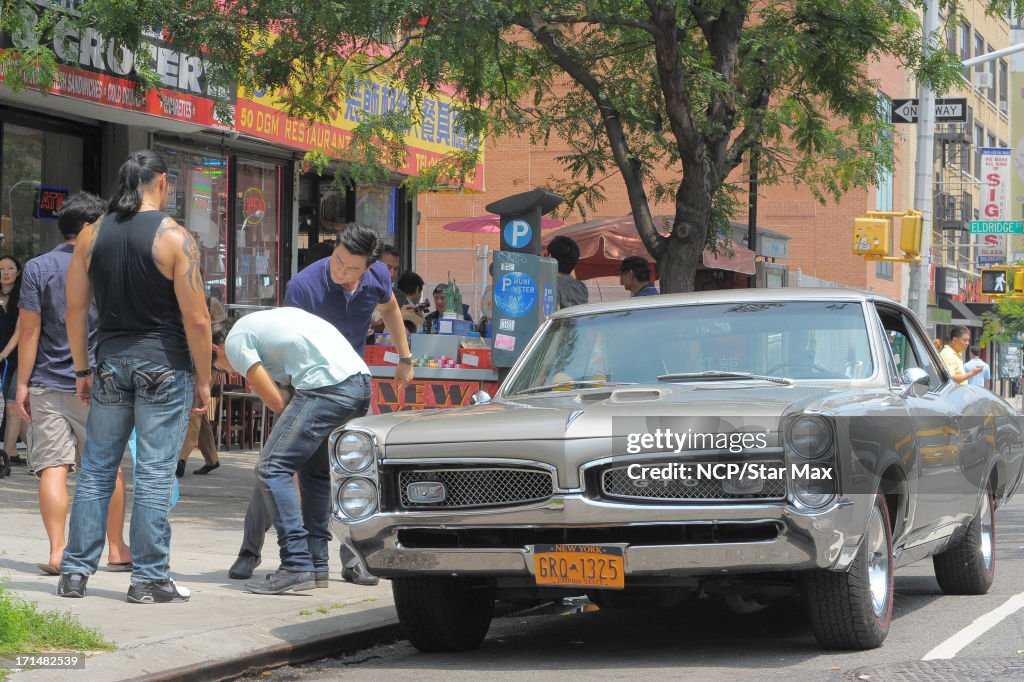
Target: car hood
pixel 598 413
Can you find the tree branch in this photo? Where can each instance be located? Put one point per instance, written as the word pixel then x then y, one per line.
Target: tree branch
pixel 628 164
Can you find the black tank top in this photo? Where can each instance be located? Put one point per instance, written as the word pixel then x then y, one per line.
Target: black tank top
pixel 139 313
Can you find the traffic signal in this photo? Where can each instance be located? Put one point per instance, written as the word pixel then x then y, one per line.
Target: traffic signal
pixel 997 282
pixel 910 234
pixel 871 236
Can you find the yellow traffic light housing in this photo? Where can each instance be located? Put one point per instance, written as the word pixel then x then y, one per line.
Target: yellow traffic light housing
pixel 871 237
pixel 910 233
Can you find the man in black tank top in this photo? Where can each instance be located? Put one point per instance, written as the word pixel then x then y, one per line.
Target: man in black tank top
pixel 152 368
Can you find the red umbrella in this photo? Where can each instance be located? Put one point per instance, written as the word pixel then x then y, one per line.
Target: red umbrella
pixel 605 242
pixel 489 223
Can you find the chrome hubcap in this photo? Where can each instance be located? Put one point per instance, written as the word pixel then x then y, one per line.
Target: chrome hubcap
pixel 986 533
pixel 878 563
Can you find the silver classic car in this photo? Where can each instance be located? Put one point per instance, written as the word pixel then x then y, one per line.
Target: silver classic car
pixel 749 445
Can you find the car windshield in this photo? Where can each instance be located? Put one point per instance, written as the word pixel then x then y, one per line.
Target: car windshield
pixel 797 340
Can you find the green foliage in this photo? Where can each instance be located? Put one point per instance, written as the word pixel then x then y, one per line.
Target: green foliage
pixel 1005 323
pixel 668 98
pixel 24 629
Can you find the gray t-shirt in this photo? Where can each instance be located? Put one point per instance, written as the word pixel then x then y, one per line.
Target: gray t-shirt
pixel 43 292
pixel 571 291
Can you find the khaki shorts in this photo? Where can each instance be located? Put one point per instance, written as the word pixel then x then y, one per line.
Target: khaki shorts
pixel 56 434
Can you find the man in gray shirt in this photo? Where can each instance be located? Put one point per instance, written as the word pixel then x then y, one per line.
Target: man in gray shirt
pixel 46 387
pixel 571 291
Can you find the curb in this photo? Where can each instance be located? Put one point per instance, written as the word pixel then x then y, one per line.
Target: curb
pixel 283 654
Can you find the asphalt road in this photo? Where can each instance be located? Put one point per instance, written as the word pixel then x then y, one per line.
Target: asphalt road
pixel 704 640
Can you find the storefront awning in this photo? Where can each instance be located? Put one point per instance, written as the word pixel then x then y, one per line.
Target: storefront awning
pixel 962 315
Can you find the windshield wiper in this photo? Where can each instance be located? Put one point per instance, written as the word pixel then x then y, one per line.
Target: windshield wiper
pixel 572 384
pixel 730 376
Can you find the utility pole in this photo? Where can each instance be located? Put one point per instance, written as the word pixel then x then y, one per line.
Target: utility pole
pixel 917 294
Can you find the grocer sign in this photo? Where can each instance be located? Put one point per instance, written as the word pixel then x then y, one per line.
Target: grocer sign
pixel 102 71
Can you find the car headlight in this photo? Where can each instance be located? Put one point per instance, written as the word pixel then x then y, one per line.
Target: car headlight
pixel 357 498
pixel 353 452
pixel 809 436
pixel 812 493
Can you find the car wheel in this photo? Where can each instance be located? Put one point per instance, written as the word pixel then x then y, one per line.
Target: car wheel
pixel 852 609
pixel 969 566
pixel 441 613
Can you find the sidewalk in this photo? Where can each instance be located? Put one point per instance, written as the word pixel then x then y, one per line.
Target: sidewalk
pixel 222 624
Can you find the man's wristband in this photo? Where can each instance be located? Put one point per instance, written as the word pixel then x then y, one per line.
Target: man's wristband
pixel 406 360
pixel 87 372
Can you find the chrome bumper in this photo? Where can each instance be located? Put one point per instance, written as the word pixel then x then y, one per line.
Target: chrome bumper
pixel 825 539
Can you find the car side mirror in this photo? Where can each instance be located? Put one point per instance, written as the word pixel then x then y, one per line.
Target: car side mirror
pixel 918 382
pixel 479 398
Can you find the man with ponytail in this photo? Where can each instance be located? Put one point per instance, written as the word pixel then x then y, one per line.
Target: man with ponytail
pixel 152 363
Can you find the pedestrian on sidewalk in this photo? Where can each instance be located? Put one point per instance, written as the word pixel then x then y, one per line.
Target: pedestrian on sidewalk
pixel 45 397
pixel 343 290
pixel 10 293
pixel 199 432
pixel 143 269
pixel 304 370
pixel 982 377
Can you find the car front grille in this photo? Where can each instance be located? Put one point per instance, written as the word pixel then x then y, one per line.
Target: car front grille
pixel 616 484
pixel 466 488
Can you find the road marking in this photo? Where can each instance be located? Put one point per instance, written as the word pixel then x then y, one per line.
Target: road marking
pixel 952 646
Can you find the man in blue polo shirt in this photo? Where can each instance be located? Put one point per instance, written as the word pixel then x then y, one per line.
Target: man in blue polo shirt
pixel 344 290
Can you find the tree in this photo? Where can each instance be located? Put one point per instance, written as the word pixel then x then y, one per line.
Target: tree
pixel 670 96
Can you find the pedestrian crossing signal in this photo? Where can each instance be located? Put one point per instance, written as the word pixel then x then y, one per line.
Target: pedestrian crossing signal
pixel 996 282
pixel 871 236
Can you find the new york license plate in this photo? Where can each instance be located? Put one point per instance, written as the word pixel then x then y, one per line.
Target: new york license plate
pixel 579 566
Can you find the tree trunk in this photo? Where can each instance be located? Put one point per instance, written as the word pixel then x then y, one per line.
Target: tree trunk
pixel 677 269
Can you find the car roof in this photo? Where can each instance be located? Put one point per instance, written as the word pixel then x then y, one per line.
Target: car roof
pixel 725 296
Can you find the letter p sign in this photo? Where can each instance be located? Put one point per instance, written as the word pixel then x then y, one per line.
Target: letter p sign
pixel 518 233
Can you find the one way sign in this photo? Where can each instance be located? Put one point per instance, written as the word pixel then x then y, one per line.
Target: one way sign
pixel 949 110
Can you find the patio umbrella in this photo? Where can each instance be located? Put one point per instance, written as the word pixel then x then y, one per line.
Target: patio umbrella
pixel 489 223
pixel 605 242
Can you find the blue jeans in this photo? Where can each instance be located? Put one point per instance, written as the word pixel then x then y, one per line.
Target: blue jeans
pixel 297 446
pixel 156 400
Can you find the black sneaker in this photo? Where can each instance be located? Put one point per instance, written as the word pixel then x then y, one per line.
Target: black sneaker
pixel 323 578
pixel 157 592
pixel 181 468
pixel 282 581
pixel 243 567
pixel 72 585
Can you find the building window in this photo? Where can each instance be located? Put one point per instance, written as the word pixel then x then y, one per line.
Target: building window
pixel 1004 88
pixel 883 196
pixel 992 75
pixel 991 140
pixel 979 49
pixel 965 47
pixel 979 142
pixel 883 270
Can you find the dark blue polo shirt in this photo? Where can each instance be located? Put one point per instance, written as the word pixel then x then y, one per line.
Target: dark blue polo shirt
pixel 43 292
pixel 314 291
pixel 647 290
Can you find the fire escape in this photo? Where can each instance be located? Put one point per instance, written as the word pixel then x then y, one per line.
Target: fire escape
pixel 954 198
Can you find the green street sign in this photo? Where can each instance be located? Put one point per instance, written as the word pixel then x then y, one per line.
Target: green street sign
pixel 997 227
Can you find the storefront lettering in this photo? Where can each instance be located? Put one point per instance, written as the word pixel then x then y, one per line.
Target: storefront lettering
pixel 421 395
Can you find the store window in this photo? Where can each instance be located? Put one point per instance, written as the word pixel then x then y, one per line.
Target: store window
pixel 39 170
pixel 198 201
pixel 257 233
pixel 377 207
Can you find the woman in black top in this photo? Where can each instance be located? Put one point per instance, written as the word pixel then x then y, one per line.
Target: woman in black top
pixel 10 292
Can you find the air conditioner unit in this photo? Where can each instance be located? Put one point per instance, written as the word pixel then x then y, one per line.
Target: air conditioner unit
pixel 1004 106
pixel 983 80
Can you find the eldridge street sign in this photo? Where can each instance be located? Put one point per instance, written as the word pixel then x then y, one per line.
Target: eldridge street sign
pixel 949 110
pixel 997 227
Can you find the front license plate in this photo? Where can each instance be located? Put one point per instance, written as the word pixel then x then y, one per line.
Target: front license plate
pixel 580 566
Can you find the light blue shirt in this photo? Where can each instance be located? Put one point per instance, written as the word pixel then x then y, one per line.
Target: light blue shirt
pixel 295 347
pixel 981 377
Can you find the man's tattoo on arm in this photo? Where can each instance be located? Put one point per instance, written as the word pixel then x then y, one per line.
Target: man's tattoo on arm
pixel 194 276
pixel 166 225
